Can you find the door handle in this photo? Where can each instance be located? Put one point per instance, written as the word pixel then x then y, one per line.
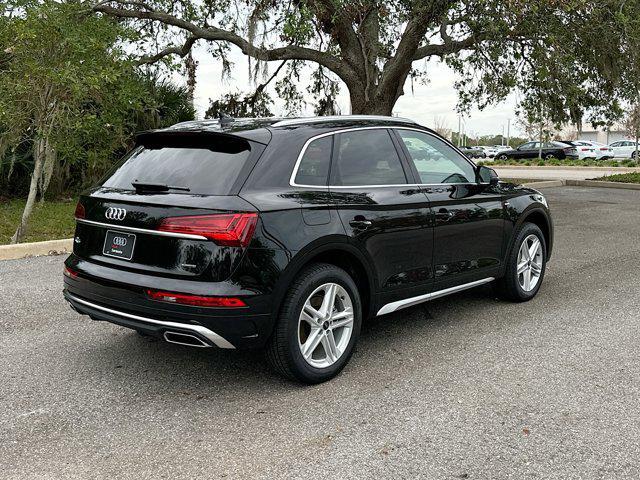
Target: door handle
pixel 360 223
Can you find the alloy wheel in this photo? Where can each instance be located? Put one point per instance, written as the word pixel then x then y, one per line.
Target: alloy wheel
pixel 325 325
pixel 530 263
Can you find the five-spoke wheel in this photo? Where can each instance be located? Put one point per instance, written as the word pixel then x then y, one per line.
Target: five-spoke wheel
pixel 325 325
pixel 530 263
pixel 318 326
pixel 525 265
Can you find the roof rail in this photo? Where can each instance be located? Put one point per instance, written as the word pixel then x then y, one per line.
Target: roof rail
pixel 346 118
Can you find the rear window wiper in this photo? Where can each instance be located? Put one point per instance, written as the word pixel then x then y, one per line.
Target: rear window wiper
pixel 157 187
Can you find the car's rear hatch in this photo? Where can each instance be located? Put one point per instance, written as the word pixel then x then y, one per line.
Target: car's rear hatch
pixel 182 218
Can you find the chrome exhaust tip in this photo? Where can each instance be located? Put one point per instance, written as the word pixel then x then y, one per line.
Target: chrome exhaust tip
pixel 185 339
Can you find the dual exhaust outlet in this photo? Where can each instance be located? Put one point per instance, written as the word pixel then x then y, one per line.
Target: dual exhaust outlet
pixel 187 339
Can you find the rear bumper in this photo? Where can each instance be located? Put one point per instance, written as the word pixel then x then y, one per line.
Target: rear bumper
pixel 118 296
pixel 149 325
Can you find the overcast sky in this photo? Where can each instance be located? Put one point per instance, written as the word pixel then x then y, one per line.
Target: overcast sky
pixel 438 98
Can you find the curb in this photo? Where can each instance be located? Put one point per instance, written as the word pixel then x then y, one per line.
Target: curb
pixel 546 184
pixel 598 183
pixel 36 249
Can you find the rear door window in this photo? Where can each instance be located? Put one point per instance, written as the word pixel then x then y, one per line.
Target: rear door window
pixel 205 168
pixel 367 157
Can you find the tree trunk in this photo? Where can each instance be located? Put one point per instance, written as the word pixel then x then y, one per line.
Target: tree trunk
pixel 540 143
pixel 38 159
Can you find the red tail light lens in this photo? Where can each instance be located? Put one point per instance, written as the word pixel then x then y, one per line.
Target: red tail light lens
pixel 195 300
pixel 79 213
pixel 604 149
pixel 231 230
pixel 69 273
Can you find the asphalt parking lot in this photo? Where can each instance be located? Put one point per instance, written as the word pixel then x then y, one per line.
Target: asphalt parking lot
pixel 463 387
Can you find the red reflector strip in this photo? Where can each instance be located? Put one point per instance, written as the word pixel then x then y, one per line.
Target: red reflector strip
pixel 228 229
pixel 195 300
pixel 69 273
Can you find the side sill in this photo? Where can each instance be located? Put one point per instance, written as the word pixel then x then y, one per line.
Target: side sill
pixel 408 302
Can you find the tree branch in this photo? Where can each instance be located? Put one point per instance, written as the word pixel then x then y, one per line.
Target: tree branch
pixel 447 47
pixel 289 52
pixel 175 50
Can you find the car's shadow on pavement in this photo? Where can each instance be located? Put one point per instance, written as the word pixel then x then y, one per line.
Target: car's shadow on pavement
pixel 131 358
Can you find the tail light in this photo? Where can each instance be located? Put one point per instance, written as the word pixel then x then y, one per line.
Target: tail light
pixel 229 229
pixel 604 149
pixel 79 213
pixel 69 273
pixel 585 149
pixel 195 300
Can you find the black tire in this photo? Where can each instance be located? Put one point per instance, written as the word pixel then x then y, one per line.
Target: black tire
pixel 502 157
pixel 283 351
pixel 549 156
pixel 508 287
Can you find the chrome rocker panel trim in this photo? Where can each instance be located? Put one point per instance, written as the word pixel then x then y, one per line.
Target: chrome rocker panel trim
pixel 141 230
pixel 217 340
pixel 408 302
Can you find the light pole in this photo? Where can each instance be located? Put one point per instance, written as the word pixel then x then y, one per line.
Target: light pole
pixel 508 131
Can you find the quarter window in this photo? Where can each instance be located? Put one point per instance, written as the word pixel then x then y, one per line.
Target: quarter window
pixel 435 161
pixel 314 165
pixel 367 157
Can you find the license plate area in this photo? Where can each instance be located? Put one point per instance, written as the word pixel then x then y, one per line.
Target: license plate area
pixel 119 245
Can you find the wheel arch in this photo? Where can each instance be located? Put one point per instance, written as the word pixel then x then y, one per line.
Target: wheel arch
pixel 538 216
pixel 340 254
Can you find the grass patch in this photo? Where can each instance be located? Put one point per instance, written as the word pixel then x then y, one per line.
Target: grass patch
pixel 51 220
pixel 633 177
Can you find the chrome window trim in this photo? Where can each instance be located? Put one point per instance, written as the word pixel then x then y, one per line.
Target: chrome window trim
pixel 217 340
pixel 141 230
pixel 408 302
pixel 292 178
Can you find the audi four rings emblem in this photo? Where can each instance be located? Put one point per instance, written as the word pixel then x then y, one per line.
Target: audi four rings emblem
pixel 119 241
pixel 114 213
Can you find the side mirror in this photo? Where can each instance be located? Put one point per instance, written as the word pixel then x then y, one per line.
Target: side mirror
pixel 488 175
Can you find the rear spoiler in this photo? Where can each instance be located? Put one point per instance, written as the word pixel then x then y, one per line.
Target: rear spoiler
pixel 182 137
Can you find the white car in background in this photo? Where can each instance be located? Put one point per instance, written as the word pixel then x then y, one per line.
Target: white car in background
pixel 603 152
pixel 624 149
pixel 490 152
pixel 583 149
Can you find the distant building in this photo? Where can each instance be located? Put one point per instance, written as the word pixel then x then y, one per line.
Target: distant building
pixel 604 135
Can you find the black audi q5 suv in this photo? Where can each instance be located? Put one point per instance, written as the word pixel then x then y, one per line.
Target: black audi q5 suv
pixel 287 234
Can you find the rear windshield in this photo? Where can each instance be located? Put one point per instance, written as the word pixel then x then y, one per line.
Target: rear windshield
pixel 204 170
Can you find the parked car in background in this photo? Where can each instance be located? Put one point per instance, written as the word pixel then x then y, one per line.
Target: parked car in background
pixel 502 147
pixel 624 149
pixel 531 150
pixel 583 149
pixel 473 152
pixel 602 151
pixel 490 152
